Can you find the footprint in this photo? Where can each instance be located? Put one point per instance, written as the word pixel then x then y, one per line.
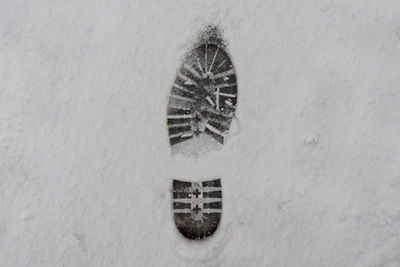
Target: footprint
pixel 203 97
pixel 197 207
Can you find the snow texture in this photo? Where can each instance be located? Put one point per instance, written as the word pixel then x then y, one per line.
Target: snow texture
pixel 311 176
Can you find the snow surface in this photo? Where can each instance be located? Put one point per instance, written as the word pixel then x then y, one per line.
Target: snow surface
pixel 311 176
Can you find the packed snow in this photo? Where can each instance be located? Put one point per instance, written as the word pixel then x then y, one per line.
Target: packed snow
pixel 310 170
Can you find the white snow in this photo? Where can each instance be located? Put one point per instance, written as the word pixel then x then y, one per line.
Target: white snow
pixel 310 175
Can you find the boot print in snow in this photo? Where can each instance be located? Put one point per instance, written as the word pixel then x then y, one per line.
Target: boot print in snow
pixel 197 207
pixel 203 98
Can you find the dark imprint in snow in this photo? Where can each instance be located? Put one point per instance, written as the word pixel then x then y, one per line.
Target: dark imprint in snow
pixel 204 95
pixel 197 207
